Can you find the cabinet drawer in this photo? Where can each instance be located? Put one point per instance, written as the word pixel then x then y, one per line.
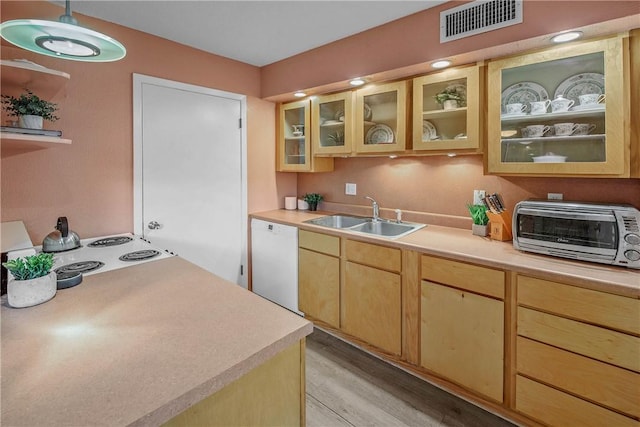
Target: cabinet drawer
pixel 556 408
pixel 604 309
pixel 606 345
pixel 613 387
pixel 374 255
pixel 462 338
pixel 319 242
pixel 483 280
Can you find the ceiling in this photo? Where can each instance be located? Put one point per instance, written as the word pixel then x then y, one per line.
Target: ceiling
pixel 255 32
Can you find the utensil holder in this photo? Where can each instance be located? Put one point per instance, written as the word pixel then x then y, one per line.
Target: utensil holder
pixel 500 226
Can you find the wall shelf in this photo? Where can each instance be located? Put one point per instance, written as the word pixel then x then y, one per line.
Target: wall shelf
pixel 15 143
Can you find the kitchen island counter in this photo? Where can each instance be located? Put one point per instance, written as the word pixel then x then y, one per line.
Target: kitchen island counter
pixel 461 245
pixel 136 346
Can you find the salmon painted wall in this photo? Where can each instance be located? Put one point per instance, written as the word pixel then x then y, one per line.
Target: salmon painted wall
pixel 91 181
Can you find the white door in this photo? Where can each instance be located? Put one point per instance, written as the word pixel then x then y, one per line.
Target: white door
pixel 190 185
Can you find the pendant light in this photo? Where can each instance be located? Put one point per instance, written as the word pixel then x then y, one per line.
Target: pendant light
pixel 63 39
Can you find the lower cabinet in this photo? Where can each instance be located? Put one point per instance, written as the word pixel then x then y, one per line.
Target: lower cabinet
pixel 462 331
pixel 319 276
pixel 577 355
pixel 372 295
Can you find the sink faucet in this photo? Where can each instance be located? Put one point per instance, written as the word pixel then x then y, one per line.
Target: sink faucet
pixel 376 210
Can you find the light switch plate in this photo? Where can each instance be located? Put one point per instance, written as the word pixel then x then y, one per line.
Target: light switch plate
pixel 350 189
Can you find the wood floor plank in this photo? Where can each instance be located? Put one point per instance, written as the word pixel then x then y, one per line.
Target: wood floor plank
pixel 365 391
pixel 319 415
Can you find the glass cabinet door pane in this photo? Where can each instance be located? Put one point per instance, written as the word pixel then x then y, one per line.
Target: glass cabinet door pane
pixel 380 118
pixel 294 136
pixel 332 124
pixel 554 111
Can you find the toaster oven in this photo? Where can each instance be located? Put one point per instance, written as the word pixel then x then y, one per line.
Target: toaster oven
pixel 604 233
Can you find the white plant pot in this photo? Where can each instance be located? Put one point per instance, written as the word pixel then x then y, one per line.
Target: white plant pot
pixel 27 293
pixel 480 230
pixel 31 122
pixel 450 104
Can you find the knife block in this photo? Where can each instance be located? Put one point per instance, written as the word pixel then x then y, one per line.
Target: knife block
pixel 500 226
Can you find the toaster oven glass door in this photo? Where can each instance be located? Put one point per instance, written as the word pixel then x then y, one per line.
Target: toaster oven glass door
pixel 597 232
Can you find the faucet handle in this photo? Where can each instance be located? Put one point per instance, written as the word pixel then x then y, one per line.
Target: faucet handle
pixel 371 198
pixel 398 216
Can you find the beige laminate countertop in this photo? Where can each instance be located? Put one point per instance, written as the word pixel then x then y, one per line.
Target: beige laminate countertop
pixel 135 346
pixel 458 244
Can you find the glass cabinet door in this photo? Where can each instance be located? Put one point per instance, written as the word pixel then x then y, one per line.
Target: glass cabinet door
pixel 561 111
pixel 446 110
pixel 381 118
pixel 332 123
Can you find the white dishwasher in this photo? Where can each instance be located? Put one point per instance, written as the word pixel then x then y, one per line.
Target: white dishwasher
pixel 274 262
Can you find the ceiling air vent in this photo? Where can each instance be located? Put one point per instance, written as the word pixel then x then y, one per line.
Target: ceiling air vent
pixel 478 17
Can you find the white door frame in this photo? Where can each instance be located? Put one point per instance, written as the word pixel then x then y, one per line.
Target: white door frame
pixel 138 81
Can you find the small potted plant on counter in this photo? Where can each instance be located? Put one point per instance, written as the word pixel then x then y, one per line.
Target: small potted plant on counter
pixel 31 282
pixel 312 199
pixel 450 98
pixel 30 109
pixel 480 220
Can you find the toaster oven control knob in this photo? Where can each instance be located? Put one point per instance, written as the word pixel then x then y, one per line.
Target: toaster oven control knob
pixel 632 239
pixel 632 255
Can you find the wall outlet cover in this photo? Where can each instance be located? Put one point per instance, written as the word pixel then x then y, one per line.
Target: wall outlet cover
pixel 350 189
pixel 554 196
pixel 478 195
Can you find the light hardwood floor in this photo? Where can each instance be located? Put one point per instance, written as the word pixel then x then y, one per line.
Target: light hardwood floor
pixel 348 387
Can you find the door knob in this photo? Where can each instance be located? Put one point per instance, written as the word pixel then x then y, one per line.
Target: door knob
pixel 153 225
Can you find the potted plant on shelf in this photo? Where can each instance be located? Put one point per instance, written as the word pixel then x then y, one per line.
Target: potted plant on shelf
pixel 450 98
pixel 312 199
pixel 32 282
pixel 480 220
pixel 30 109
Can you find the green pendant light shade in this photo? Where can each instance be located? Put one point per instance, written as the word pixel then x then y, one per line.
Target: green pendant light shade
pixel 64 39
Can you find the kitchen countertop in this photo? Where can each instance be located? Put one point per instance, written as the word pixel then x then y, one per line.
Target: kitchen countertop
pixel 135 346
pixel 461 245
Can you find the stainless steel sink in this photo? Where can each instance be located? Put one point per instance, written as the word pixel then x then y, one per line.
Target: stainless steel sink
pixel 366 225
pixel 338 221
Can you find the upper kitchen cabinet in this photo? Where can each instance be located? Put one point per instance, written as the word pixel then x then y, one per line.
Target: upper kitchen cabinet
pixel 381 118
pixel 44 82
pixel 332 120
pixel 548 115
pixel 447 113
pixel 294 140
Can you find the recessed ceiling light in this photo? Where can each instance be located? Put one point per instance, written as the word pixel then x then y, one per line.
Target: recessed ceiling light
pixel 566 37
pixel 299 94
pixel 63 39
pixel 451 154
pixel 441 64
pixel 357 82
pixel 393 156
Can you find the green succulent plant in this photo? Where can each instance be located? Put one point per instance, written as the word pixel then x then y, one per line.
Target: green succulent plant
pixel 312 198
pixel 29 104
pixel 478 214
pixel 30 267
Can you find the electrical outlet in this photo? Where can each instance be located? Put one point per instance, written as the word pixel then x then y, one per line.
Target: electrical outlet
pixel 478 195
pixel 350 189
pixel 554 196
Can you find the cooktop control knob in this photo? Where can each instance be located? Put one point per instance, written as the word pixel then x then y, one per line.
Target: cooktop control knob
pixel 632 239
pixel 632 255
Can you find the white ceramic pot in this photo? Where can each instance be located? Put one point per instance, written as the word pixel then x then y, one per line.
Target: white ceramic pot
pixel 450 104
pixel 27 293
pixel 480 230
pixel 31 122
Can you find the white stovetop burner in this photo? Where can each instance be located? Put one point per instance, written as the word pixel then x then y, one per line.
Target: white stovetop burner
pixel 109 255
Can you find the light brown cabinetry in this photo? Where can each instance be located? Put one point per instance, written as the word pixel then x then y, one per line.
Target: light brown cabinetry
pixel 333 123
pixel 44 82
pixel 436 129
pixel 381 115
pixel 319 276
pixel 294 151
pixel 600 67
pixel 462 324
pixel 372 295
pixel 577 355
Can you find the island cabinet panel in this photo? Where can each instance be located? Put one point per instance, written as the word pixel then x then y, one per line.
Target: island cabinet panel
pixel 372 305
pixel 271 394
pixel 585 344
pixel 462 338
pixel 555 408
pixel 319 276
